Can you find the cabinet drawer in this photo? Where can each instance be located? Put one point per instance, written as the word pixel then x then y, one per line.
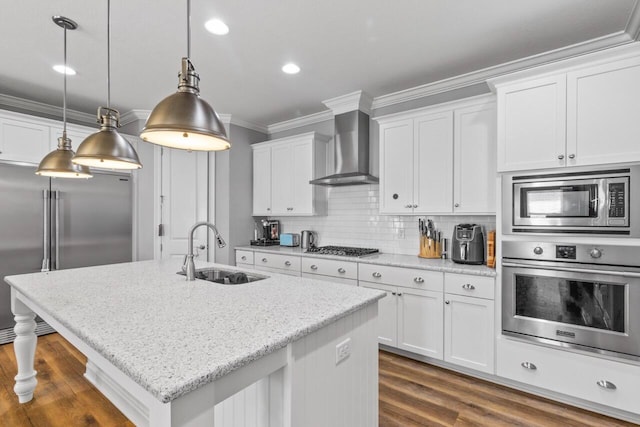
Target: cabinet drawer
pixel 332 279
pixel 244 257
pixel 469 285
pixel 399 276
pixel 330 267
pixel 283 262
pixel 570 373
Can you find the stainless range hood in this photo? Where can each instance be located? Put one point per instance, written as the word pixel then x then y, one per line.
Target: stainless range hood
pixel 351 158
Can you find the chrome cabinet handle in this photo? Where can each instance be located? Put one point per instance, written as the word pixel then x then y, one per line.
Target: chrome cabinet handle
pixel 607 384
pixel 376 274
pixel 314 267
pixel 560 156
pixel 415 206
pixel 468 287
pixel 268 209
pixel 393 293
pixel 572 156
pixel 418 279
pixel 244 258
pixel 447 302
pixel 287 263
pixel 457 205
pixel 408 206
pixel 399 294
pixel 264 260
pixel 341 270
pixel 528 365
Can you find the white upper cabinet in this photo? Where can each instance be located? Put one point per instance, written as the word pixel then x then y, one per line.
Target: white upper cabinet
pixel 282 170
pixel 23 140
pixel 439 160
pixel 584 113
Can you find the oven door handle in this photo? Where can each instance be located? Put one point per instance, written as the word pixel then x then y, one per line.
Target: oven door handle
pixel 573 270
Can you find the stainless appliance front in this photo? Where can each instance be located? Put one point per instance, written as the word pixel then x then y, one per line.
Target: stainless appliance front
pixel 574 295
pixel 587 202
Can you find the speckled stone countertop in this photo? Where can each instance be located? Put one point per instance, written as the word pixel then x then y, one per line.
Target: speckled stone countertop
pixel 408 261
pixel 172 336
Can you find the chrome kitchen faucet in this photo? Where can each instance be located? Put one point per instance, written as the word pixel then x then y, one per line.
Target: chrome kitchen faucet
pixel 189 267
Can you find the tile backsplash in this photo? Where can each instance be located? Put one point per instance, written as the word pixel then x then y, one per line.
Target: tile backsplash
pixel 353 220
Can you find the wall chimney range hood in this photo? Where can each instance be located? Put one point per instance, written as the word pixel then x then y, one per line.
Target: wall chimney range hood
pixel 351 142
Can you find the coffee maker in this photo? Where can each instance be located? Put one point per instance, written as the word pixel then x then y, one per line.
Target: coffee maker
pixel 270 233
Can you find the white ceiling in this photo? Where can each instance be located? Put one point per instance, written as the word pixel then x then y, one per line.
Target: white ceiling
pixel 378 46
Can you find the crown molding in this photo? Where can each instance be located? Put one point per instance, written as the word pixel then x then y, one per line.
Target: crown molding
pixel 358 100
pixel 481 76
pixel 133 116
pixel 245 124
pixel 322 116
pixel 633 25
pixel 226 119
pixel 46 110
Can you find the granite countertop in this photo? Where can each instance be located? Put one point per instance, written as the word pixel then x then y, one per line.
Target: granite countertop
pixel 172 336
pixel 396 260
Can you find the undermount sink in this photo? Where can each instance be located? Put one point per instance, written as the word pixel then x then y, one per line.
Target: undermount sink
pixel 225 277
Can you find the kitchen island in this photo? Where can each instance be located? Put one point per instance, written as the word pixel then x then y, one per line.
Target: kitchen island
pixel 167 351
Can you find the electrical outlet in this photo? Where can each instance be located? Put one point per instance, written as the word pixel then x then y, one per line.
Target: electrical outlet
pixel 343 350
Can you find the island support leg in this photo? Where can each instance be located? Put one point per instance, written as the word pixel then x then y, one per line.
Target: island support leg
pixel 25 349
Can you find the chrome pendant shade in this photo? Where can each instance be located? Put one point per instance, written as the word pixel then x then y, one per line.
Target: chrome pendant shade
pixel 184 120
pixel 58 163
pixel 107 148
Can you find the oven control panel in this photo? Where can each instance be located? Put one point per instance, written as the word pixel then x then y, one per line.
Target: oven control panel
pixel 565 252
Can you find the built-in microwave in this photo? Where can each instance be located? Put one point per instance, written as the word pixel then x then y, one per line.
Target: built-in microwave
pixel 585 202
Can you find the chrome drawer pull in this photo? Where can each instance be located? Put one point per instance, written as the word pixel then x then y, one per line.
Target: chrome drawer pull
pixel 418 279
pixel 341 270
pixel 287 263
pixel 244 258
pixel 264 260
pixel 314 267
pixel 468 287
pixel 447 302
pixel 607 384
pixel 529 365
pixel 376 274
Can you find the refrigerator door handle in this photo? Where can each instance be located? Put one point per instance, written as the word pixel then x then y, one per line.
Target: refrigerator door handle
pixel 46 260
pixel 57 196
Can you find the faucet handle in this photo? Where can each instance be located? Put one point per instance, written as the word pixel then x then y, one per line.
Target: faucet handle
pixel 184 264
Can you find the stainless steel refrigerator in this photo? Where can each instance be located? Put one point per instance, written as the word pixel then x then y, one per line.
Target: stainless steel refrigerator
pixel 57 223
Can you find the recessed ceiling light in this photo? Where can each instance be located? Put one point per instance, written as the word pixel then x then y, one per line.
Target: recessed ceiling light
pixel 64 70
pixel 291 68
pixel 216 27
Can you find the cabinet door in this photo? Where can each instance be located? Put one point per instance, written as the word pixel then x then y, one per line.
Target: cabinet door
pixel 262 181
pixel 474 174
pixel 23 141
pixel 602 116
pixel 282 185
pixel 302 173
pixel 531 124
pixel 433 163
pixel 468 332
pixel 396 167
pixel 420 322
pixel 387 314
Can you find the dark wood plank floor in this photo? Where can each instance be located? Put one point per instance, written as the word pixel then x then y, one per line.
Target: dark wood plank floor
pixel 411 394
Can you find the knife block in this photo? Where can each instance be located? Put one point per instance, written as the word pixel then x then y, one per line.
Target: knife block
pixel 429 248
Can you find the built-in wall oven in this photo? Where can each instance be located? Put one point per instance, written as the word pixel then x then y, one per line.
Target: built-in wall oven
pixel 575 295
pixel 579 202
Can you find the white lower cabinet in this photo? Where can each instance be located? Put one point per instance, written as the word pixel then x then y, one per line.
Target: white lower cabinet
pixel 420 321
pixel 602 381
pixel 277 263
pixel 331 270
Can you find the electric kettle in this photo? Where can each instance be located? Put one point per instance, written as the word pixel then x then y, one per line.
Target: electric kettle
pixel 308 239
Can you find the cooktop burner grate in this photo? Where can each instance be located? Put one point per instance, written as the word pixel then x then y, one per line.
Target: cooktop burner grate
pixel 342 251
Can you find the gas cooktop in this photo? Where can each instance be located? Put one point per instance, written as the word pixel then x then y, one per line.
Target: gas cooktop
pixel 342 251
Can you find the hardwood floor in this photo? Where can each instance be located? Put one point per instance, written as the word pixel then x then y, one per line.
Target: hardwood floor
pixel 411 394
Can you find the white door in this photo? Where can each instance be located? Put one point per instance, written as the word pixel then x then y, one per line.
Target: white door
pixel 302 167
pixel 474 174
pixel 531 124
pixel 602 117
pixel 433 163
pixel 387 314
pixel 420 322
pixel 468 332
pixel 281 179
pixel 184 201
pixel 396 167
pixel 262 181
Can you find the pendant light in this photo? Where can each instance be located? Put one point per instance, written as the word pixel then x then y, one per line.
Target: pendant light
pixel 184 120
pixel 58 162
pixel 107 148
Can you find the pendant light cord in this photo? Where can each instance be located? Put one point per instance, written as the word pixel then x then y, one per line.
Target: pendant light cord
pixel 189 29
pixel 108 54
pixel 64 93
